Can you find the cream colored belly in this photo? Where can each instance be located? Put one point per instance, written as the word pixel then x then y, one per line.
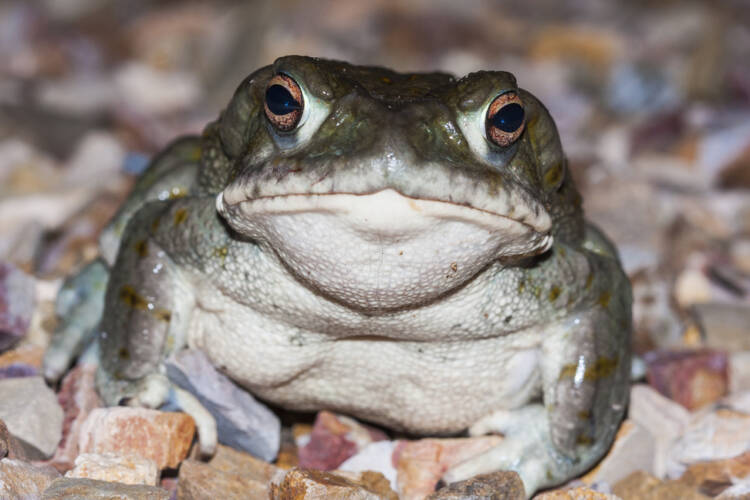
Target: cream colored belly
pixel 422 387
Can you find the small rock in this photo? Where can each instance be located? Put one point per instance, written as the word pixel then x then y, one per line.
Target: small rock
pixel 230 460
pixel 333 439
pixel 78 398
pixel 22 480
pixel 421 464
pixel 692 378
pixel 664 419
pixel 723 326
pixel 655 323
pixel 580 493
pixel 32 414
pixel 300 484
pixel 28 354
pixel 740 253
pixel 288 456
pixel 715 435
pixel 738 401
pixel 96 160
pixel 169 484
pixel 643 486
pixel 502 485
pixel 198 480
pixel 242 422
pixel 372 481
pixel 9 445
pixel 739 371
pixel 17 299
pixel 715 477
pixel 633 449
pixel 90 489
pixel 16 370
pixel 376 457
pixel 739 491
pixel 151 91
pixel 594 47
pixel 692 287
pixel 72 245
pixel 163 437
pixel 115 468
pixel 636 485
pixel 229 474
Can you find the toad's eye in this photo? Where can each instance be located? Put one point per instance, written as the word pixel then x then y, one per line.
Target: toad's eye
pixel 505 119
pixel 284 103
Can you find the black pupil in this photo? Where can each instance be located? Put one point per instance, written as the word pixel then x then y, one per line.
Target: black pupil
pixel 509 118
pixel 280 101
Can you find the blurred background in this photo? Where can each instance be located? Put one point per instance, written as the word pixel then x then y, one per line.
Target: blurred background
pixel 652 99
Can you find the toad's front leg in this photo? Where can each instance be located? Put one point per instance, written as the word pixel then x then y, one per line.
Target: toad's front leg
pixel 585 368
pixel 146 316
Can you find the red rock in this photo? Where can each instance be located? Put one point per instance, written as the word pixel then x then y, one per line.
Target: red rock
pixel 692 378
pixel 333 439
pixel 421 464
pixel 78 398
pixel 163 437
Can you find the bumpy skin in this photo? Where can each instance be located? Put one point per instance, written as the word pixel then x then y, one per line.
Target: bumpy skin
pixel 306 298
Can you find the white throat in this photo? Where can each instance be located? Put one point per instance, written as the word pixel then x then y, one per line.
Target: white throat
pixel 383 250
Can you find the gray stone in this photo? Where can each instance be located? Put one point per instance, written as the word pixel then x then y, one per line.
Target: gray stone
pixel 91 489
pixel 32 414
pixel 664 419
pixel 634 449
pixel 15 370
pixel 22 480
pixel 9 445
pixel 739 371
pixel 17 299
pixel 724 326
pixel 243 422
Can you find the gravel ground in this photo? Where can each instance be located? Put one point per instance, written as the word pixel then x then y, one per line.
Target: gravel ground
pixel 652 100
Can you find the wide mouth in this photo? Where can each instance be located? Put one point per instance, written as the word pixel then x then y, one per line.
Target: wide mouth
pixel 385 209
pixel 383 250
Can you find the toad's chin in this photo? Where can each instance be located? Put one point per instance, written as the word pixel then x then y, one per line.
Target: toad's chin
pixel 383 251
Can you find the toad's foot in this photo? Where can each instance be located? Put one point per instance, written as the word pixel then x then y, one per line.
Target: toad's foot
pixel 527 449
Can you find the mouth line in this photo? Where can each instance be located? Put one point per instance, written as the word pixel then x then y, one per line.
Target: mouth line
pixel 413 201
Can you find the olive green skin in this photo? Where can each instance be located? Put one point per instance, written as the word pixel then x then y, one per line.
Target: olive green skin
pixel 384 130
